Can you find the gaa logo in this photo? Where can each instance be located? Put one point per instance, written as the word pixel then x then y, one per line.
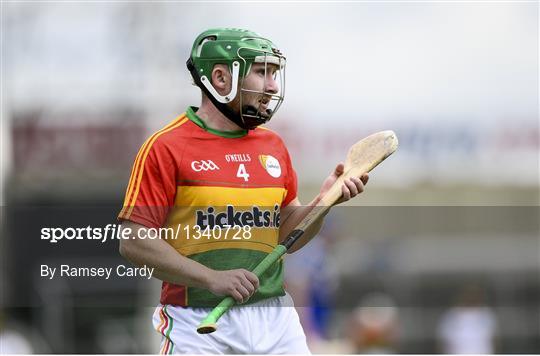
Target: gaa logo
pixel 198 166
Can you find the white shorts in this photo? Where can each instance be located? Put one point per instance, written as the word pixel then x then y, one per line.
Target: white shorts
pixel 270 326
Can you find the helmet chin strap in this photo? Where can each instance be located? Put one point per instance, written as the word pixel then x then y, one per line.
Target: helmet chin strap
pixel 248 123
pixel 252 117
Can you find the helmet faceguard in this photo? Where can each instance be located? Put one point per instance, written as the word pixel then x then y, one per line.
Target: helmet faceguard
pixel 239 50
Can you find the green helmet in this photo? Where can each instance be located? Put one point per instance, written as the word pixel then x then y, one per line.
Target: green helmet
pixel 238 49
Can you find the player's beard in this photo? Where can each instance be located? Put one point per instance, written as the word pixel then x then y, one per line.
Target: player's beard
pixel 254 113
pixel 256 104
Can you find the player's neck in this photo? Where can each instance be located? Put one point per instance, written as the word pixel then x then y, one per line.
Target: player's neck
pixel 214 119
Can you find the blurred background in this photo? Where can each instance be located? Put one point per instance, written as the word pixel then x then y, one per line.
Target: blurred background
pixel 440 254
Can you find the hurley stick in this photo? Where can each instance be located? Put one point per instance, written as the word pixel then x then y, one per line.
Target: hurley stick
pixel 362 157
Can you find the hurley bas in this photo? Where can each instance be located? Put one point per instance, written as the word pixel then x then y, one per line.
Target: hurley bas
pixel 95 272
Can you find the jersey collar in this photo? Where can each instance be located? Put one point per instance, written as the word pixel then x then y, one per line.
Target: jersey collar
pixel 190 112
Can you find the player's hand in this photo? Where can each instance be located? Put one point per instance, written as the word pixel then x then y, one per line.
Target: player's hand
pixel 238 283
pixel 351 186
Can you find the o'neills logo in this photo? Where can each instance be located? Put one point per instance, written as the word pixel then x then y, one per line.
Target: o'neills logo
pixel 238 157
pixel 271 165
pixel 255 217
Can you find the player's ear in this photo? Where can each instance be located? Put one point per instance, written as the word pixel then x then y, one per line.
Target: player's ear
pixel 221 78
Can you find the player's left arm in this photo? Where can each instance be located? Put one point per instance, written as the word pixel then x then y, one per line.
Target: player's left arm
pixel 294 212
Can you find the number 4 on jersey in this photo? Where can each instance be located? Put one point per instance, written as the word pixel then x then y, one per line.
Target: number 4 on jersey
pixel 242 173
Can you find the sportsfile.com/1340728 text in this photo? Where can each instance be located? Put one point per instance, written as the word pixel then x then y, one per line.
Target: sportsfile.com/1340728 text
pixel 116 232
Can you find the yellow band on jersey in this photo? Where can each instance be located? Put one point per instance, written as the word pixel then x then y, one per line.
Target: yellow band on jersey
pixel 214 218
pixel 221 196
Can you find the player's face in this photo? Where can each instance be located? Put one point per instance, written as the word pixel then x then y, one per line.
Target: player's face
pixel 259 85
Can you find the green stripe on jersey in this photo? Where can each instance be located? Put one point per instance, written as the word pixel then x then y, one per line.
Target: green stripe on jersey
pixel 190 112
pixel 270 283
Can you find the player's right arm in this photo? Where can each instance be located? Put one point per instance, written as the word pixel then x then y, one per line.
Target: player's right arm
pixel 171 266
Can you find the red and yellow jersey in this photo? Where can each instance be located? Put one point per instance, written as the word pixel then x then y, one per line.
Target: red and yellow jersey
pixel 220 193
